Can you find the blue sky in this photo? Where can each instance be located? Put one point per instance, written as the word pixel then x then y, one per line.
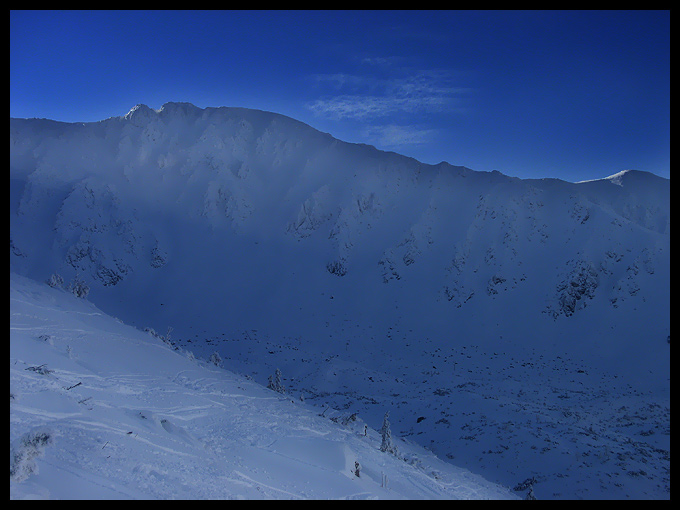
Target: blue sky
pixel 568 94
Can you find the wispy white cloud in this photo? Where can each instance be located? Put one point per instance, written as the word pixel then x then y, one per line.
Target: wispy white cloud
pixel 367 97
pixel 389 103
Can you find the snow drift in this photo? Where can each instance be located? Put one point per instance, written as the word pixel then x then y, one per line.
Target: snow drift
pixel 114 413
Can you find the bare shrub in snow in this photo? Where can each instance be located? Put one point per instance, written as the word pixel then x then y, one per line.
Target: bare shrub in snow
pixel 23 453
pixel 163 338
pixel 55 281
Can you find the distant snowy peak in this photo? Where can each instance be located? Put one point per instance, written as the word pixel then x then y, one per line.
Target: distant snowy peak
pixel 139 115
pixel 178 108
pixel 627 177
pixel 141 108
pixel 138 109
pixel 618 177
pixel 637 196
pixel 212 115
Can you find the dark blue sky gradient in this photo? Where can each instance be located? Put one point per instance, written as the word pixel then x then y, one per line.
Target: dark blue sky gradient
pixel 568 94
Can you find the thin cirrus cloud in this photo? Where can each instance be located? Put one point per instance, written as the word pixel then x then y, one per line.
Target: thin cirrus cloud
pixel 390 106
pixel 366 98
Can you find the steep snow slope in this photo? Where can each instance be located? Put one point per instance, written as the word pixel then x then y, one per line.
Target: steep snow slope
pixel 372 279
pixel 124 416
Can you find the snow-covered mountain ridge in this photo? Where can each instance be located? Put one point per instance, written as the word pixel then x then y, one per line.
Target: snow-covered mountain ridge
pixel 350 268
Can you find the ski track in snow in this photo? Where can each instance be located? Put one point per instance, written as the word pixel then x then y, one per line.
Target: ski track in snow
pixel 174 427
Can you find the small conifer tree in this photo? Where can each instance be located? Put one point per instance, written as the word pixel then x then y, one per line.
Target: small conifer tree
pixel 215 359
pixel 79 288
pixel 387 445
pixel 275 382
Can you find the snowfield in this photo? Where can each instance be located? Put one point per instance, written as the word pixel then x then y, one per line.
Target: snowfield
pixel 518 329
pixel 131 418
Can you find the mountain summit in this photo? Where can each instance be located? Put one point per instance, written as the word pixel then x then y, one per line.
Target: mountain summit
pixel 350 268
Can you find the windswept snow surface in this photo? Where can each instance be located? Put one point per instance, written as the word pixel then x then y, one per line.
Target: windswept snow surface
pixel 517 328
pixel 132 418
